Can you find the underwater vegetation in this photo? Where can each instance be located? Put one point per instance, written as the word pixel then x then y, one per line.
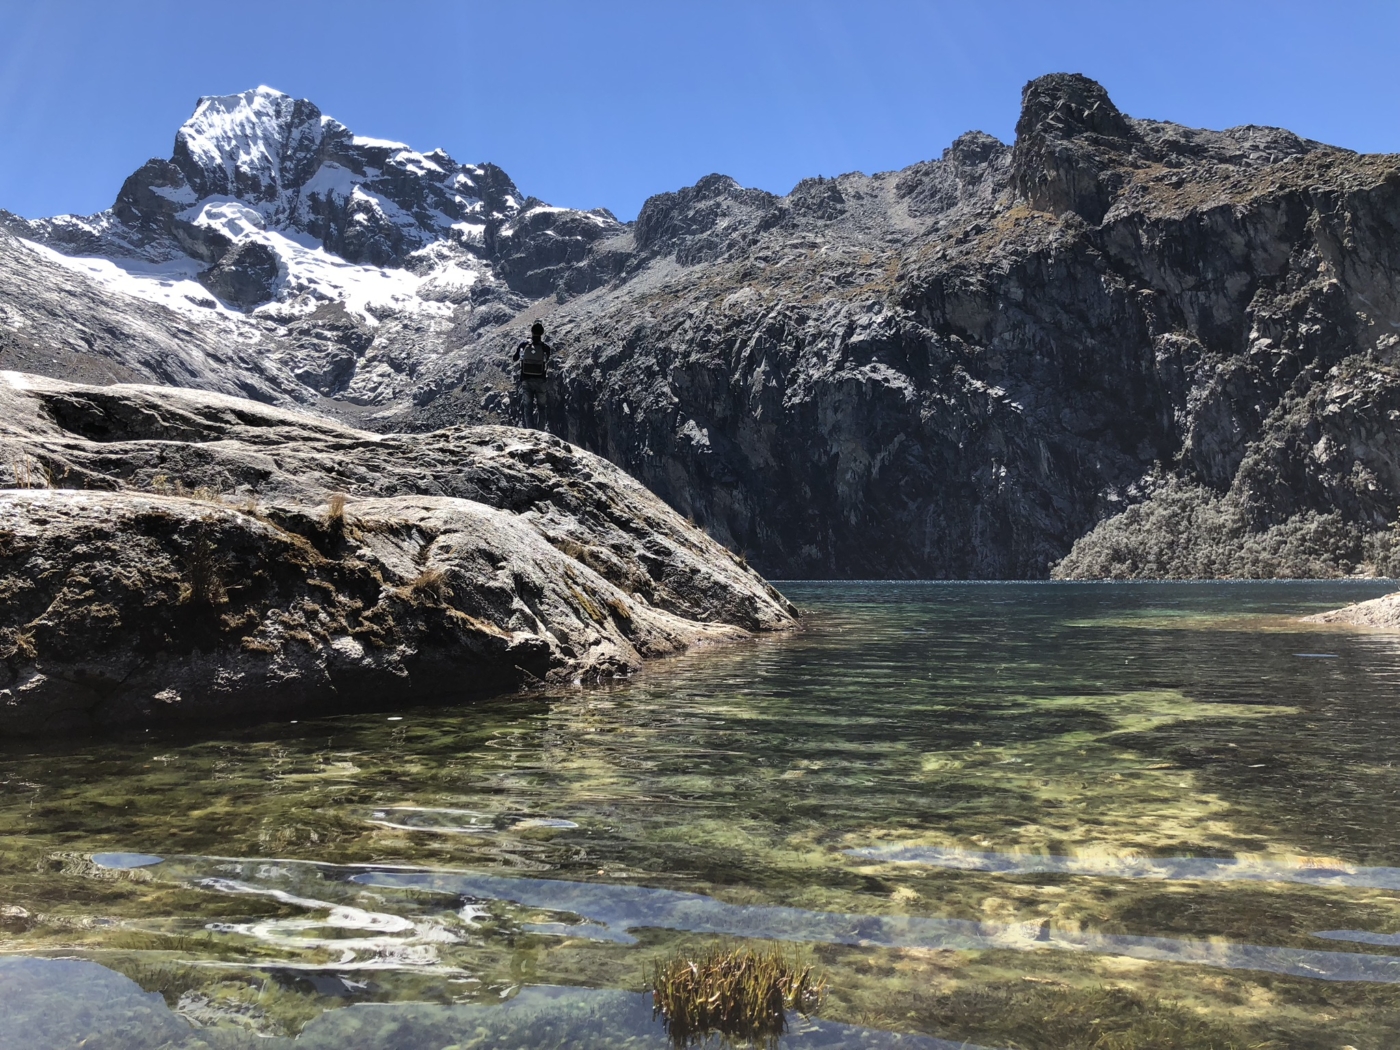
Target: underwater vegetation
pixel 1126 817
pixel 1036 1017
pixel 738 993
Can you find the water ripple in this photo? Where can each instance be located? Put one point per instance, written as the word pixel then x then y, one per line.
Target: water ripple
pixel 625 908
pixel 1307 871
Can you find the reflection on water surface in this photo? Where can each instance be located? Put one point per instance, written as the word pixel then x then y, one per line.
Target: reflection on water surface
pixel 1130 815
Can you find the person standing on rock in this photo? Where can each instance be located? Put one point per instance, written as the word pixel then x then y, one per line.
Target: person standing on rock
pixel 532 354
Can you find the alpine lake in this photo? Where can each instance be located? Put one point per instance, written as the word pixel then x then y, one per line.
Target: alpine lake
pixel 990 815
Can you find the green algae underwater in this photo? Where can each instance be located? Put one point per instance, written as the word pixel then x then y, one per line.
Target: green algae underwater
pixel 995 815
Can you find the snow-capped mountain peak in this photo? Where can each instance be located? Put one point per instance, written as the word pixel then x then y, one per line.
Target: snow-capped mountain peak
pixel 251 144
pixel 274 207
pixel 365 199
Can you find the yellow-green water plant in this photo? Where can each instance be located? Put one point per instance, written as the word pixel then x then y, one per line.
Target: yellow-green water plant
pixel 738 993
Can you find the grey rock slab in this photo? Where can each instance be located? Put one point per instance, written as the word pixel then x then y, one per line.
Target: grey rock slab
pixel 207 557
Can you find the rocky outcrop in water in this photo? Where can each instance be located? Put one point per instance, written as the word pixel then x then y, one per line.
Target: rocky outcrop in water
pixel 1382 613
pixel 172 555
pixel 1053 355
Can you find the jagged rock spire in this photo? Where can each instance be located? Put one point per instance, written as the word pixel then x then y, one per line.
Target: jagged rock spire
pixel 1067 124
pixel 1062 105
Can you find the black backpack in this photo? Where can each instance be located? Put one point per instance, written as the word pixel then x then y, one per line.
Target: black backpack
pixel 532 359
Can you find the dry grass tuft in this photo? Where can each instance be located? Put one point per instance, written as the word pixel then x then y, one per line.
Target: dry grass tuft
pixel 164 485
pixel 335 512
pixel 736 993
pixel 430 583
pixel 587 605
pixel 29 473
pixel 17 641
pixel 570 547
pixel 202 587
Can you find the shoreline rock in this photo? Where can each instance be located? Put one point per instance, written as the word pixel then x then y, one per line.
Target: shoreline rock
pixel 1381 613
pixel 207 557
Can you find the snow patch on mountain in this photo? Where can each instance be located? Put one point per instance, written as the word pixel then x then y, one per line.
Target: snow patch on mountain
pixel 228 215
pixel 172 283
pixel 365 140
pixel 177 194
pixel 314 276
pixel 309 276
pixel 332 180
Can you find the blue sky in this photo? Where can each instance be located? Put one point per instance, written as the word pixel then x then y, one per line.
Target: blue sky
pixel 587 104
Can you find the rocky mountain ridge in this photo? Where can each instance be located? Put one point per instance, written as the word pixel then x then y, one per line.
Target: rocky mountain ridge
pixel 256 176
pixel 1058 354
pixel 274 228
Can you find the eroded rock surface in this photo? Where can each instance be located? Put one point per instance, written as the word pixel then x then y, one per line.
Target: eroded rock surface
pixel 170 554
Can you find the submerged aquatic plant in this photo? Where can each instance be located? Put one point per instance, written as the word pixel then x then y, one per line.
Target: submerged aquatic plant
pixel 737 993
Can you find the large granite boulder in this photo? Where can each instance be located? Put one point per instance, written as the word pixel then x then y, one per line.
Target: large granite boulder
pixel 172 555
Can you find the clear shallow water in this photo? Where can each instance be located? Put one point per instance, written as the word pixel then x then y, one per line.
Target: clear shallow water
pixel 1042 815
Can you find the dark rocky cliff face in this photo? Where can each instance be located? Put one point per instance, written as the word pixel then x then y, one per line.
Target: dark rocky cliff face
pixel 957 370
pixel 964 369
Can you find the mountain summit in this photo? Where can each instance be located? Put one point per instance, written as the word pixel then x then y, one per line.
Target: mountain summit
pixel 264 196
